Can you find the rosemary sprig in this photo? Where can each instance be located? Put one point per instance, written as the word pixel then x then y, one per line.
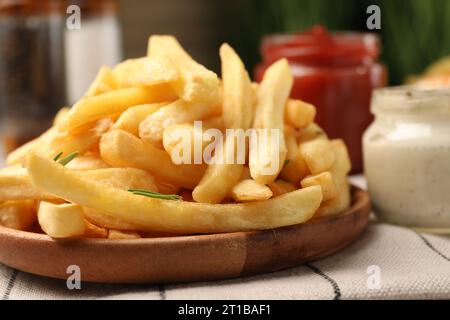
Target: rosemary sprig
pixel 65 160
pixel 156 195
pixel 58 156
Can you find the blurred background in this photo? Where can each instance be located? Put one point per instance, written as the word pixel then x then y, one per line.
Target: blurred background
pixel 45 64
pixel 414 32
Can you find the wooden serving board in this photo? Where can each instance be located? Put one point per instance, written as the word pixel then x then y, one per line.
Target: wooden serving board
pixel 189 258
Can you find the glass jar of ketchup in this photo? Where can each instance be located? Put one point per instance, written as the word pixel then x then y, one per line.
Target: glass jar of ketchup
pixel 336 72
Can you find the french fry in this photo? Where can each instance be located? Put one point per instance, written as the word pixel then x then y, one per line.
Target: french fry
pixel 280 187
pixel 273 93
pixel 68 143
pixel 131 118
pixel 237 96
pixel 18 156
pixel 325 181
pixel 11 169
pixel 337 204
pixel 93 231
pixel 121 149
pixel 61 220
pixel 16 185
pixel 295 167
pixel 107 221
pixel 219 177
pixel 122 178
pixel 123 235
pixel 250 190
pixel 19 215
pixel 178 112
pixel 339 171
pixel 87 162
pixel 165 187
pixel 127 180
pixel 196 84
pixel 113 103
pixel 145 71
pixel 318 155
pixel 174 216
pixel 104 82
pixel 237 112
pixel 299 114
pixel 60 115
pixel 342 165
pixel 311 132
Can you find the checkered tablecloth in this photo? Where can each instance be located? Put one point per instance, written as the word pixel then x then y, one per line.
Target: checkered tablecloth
pixel 387 262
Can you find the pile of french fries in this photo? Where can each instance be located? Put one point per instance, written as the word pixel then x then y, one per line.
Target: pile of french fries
pixel 105 169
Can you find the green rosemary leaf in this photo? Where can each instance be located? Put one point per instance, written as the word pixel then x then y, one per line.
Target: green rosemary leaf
pixel 56 158
pixel 69 158
pixel 156 195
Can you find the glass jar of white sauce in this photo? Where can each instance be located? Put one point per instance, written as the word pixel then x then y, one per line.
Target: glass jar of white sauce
pixel 407 157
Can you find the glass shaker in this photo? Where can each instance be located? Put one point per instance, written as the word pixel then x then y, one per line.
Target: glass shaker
pixel 32 73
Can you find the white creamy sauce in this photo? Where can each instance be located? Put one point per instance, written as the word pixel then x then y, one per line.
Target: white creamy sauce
pixel 409 179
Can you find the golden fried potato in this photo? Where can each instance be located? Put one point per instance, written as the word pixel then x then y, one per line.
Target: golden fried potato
pixel 295 167
pixel 174 216
pixel 94 231
pixel 318 155
pixel 220 177
pixel 178 112
pixel 266 158
pixel 104 82
pixel 339 171
pixel 299 113
pixel 131 118
pixel 18 156
pixel 67 143
pixel 87 162
pixel 280 187
pixel 326 181
pixel 61 220
pixel 123 235
pixel 250 190
pixel 121 149
pixel 15 184
pixel 113 103
pixel 145 71
pixel 196 84
pixel 311 132
pixel 19 215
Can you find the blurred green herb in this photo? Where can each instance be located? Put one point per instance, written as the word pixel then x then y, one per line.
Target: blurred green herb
pixel 56 158
pixel 65 160
pixel 157 195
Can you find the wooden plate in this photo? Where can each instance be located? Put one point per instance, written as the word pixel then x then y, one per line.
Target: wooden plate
pixel 189 258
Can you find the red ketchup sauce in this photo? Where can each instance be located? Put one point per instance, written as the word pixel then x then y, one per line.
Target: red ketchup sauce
pixel 337 73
